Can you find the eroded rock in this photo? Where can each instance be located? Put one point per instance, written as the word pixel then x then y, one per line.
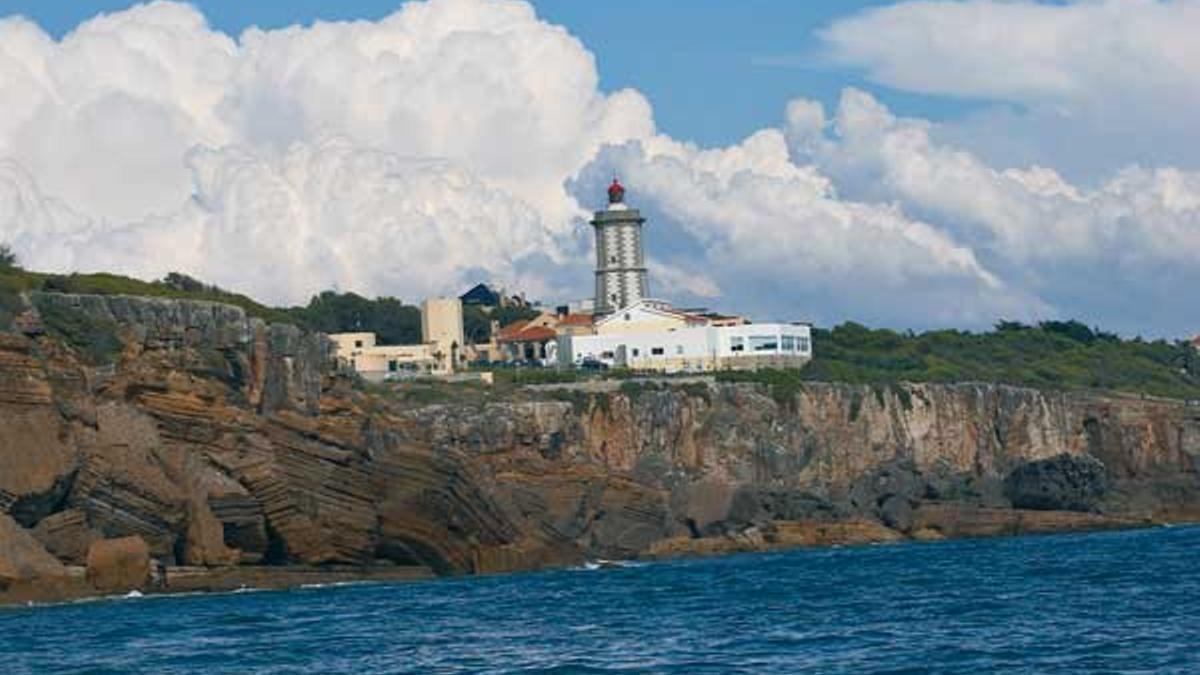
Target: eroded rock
pixel 22 558
pixel 217 440
pixel 1062 483
pixel 115 565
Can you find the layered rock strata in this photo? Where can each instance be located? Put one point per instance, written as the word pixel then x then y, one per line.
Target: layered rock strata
pixel 221 441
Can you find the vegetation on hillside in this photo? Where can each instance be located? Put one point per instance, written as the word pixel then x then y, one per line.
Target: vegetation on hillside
pixel 392 321
pixel 329 312
pixel 1050 355
pixel 174 285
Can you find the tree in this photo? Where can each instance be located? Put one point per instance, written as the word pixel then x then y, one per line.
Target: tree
pixel 8 259
pixel 182 282
pixel 392 321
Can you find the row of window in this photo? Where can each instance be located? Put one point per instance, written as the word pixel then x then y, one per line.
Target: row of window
pixel 654 351
pixel 769 343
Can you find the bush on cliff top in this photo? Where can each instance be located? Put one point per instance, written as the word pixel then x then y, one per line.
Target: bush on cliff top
pixel 174 285
pixel 1050 355
pixel 96 338
pixel 8 259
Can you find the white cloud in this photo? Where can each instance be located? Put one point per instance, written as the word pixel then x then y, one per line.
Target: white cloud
pixel 774 236
pixel 477 111
pixel 1026 51
pixel 1087 87
pixel 1108 252
pixel 464 139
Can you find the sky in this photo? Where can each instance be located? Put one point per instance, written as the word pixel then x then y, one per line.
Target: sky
pixel 715 71
pixel 903 164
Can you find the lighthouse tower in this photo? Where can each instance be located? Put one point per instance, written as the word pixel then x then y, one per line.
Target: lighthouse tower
pixel 620 262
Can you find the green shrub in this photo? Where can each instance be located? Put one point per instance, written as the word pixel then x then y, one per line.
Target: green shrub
pixel 93 337
pixel 1053 354
pixel 8 259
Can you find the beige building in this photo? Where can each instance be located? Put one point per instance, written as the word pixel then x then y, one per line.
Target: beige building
pixel 359 352
pixel 440 352
pixel 648 316
pixel 442 328
pixel 534 339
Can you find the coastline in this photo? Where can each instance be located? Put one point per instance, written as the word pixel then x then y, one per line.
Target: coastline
pixel 220 446
pixel 190 580
pixel 773 537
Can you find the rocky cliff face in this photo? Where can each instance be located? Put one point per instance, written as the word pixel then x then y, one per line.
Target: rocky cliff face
pixel 222 441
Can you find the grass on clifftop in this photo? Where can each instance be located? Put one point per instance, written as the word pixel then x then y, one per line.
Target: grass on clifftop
pixel 14 280
pixel 1050 355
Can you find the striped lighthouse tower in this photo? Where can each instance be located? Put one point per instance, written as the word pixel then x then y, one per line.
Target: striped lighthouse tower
pixel 620 263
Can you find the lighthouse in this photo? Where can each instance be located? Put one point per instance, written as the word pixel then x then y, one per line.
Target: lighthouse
pixel 620 263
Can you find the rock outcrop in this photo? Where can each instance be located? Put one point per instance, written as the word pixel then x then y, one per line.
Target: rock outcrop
pixel 118 564
pixel 22 559
pixel 219 441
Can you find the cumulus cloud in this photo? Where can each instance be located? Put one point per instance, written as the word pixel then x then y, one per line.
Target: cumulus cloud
pixel 459 120
pixel 464 139
pixel 1108 252
pixel 776 238
pixel 1089 86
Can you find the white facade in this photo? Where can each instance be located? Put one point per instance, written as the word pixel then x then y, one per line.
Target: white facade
pixel 648 316
pixel 696 349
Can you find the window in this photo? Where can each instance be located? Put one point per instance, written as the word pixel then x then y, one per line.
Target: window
pixel 679 349
pixel 656 351
pixel 607 355
pixel 764 343
pixel 612 260
pixel 627 316
pixel 803 344
pixel 788 343
pixel 392 366
pixel 635 351
pixel 358 344
pixel 736 344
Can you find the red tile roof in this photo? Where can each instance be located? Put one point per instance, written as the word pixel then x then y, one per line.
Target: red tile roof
pixel 531 334
pixel 576 320
pixel 512 329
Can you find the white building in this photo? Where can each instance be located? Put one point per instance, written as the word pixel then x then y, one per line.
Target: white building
pixel 646 316
pixel 693 349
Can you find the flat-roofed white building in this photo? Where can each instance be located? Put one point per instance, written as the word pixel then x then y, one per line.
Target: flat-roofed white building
pixel 359 352
pixel 694 349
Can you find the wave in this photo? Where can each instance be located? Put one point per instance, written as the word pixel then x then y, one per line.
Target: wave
pixel 602 564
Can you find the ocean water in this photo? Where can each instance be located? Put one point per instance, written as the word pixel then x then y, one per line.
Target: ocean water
pixel 1124 602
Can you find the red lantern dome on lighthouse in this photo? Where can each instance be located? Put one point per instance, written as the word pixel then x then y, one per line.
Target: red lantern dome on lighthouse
pixel 616 192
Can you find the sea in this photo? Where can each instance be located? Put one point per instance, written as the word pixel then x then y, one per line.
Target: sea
pixel 1114 602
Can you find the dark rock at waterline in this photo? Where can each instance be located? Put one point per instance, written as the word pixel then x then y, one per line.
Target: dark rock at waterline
pixel 1062 483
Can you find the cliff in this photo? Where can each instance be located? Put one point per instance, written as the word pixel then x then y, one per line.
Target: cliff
pixel 221 441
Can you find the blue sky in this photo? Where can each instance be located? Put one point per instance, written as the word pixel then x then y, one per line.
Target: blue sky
pixel 715 72
pixel 907 163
